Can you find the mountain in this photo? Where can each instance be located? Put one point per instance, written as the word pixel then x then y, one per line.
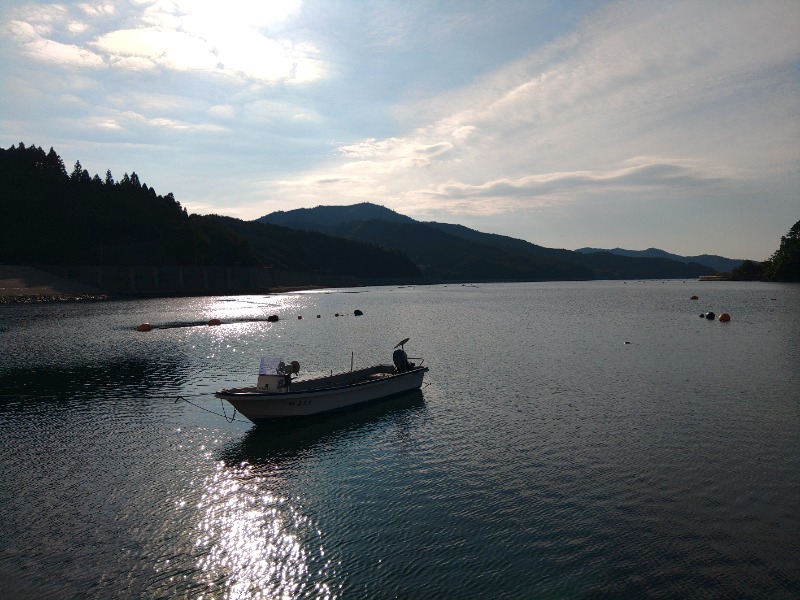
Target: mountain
pixel 310 218
pixel 315 252
pixel 52 218
pixel 458 253
pixel 718 263
pixel 441 254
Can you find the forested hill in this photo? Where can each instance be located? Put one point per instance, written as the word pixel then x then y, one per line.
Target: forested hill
pixel 55 217
pixel 718 263
pixel 51 217
pixel 455 252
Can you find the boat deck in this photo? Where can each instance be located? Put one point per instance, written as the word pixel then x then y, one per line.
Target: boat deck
pixel 343 379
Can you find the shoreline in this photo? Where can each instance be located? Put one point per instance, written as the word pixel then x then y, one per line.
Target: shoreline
pixel 28 285
pixel 22 285
pixel 37 298
pixel 31 296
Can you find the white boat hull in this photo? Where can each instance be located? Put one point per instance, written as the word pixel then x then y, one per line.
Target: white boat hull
pixel 323 395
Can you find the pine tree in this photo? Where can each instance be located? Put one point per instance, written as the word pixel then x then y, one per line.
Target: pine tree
pixel 55 164
pixel 77 171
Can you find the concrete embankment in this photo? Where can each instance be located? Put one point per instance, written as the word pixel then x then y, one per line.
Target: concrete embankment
pixel 27 284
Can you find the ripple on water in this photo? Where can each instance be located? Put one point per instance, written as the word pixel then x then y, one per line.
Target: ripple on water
pixel 547 458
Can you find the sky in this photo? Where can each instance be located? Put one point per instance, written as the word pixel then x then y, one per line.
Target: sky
pixel 630 124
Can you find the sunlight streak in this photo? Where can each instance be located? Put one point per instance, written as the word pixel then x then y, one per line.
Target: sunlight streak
pixel 252 542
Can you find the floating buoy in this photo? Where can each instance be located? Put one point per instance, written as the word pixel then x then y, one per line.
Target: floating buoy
pixel 299 317
pixel 336 315
pixel 724 317
pixel 272 318
pixel 693 298
pixel 214 322
pixel 710 316
pixel 144 327
pixel 318 316
pixel 357 313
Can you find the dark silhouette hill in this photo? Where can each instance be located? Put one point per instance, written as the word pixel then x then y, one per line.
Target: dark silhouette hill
pixel 718 263
pixel 454 252
pixel 54 218
pixel 310 218
pixel 312 251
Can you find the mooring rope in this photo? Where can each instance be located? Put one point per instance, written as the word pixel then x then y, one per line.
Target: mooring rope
pixel 224 414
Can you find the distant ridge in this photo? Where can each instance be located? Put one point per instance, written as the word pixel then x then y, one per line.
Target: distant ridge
pixel 718 263
pixel 310 218
pixel 446 252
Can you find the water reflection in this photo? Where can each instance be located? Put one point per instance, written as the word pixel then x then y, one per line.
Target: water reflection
pixel 253 539
pixel 278 444
pixel 119 378
pixel 255 543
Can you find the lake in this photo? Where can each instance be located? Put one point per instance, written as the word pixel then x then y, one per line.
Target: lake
pixel 576 440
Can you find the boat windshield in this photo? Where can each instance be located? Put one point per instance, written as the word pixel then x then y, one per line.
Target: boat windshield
pixel 269 365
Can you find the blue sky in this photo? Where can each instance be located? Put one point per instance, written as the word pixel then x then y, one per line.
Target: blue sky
pixel 568 124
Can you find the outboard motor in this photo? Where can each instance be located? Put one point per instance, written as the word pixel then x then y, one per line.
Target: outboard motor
pixel 400 359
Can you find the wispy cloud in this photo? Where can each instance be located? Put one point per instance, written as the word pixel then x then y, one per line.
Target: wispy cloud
pixel 571 118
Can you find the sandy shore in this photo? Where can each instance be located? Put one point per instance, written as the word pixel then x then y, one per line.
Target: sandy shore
pixel 26 284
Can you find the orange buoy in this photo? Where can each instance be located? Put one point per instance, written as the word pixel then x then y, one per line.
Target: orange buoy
pixel 215 322
pixel 724 317
pixel 144 327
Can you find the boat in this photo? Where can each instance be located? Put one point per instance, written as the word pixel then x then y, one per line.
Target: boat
pixel 278 395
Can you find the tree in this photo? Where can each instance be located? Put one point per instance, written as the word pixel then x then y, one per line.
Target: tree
pixel 784 264
pixel 109 178
pixel 77 171
pixel 55 164
pixel 748 270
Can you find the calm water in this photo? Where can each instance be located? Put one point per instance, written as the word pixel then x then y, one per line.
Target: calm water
pixel 580 440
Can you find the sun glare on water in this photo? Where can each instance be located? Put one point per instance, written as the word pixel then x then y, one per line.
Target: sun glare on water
pixel 253 543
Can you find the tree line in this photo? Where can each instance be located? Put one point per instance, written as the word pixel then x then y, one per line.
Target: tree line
pixel 52 217
pixel 783 265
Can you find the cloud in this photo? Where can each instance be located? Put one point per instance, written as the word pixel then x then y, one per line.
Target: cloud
pixel 76 27
pixel 223 112
pixel 97 10
pixel 62 54
pixel 393 154
pixel 229 39
pixel 682 80
pixel 171 49
pixel 643 173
